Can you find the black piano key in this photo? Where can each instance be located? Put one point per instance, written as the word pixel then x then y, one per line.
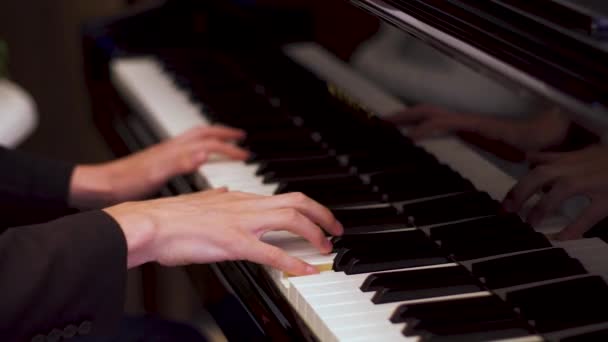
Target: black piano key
pixel 335 198
pixel 419 284
pixel 272 136
pixel 412 173
pixel 448 309
pixel 333 191
pixel 527 268
pixel 378 254
pixel 364 253
pixel 486 331
pixel 429 186
pixel 370 159
pixel 273 148
pixel 376 240
pixel 414 279
pixel 452 208
pixel 480 247
pixel 306 152
pixel 320 183
pixel 397 224
pixel 397 295
pixel 366 264
pixel 372 162
pixel 360 261
pixel 386 217
pixel 253 128
pixel 505 222
pixel 453 320
pixel 295 164
pixel 563 305
pixel 303 172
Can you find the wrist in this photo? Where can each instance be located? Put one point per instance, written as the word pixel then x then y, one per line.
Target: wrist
pixel 91 187
pixel 139 230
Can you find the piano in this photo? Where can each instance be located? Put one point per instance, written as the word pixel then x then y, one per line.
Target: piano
pixel 428 254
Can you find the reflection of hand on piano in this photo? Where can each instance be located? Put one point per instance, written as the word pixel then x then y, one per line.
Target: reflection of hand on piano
pixel 218 225
pixel 547 129
pixel 565 175
pixel 143 173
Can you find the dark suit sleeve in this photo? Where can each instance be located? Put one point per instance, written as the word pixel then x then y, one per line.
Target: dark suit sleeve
pixel 33 180
pixel 63 277
pixel 32 189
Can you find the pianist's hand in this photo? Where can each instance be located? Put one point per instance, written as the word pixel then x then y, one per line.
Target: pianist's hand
pixel 560 176
pixel 536 133
pixel 141 174
pixel 218 225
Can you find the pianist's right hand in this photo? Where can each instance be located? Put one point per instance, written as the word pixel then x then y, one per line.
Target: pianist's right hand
pixel 219 225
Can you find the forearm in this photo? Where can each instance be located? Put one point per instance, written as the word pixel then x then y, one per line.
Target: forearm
pixel 90 187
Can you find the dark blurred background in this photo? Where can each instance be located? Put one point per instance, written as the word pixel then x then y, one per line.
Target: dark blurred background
pixel 45 58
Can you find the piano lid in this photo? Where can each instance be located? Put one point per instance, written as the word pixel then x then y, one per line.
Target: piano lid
pixel 554 48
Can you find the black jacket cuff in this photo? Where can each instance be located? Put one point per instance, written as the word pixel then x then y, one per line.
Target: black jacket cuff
pixel 34 181
pixel 65 273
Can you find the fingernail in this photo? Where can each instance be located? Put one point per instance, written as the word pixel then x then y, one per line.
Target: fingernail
pixel 328 245
pixel 341 230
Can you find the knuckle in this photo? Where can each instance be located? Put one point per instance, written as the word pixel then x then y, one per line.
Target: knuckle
pixel 212 143
pixel 274 255
pixel 200 131
pixel 299 198
pixel 291 214
pixel 186 163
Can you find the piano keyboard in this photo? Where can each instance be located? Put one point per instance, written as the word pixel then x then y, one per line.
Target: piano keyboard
pixel 426 254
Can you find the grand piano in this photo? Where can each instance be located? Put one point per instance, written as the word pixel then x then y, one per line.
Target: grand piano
pixel 429 255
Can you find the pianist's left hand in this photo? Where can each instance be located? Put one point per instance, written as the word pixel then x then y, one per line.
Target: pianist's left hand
pixel 560 176
pixel 142 174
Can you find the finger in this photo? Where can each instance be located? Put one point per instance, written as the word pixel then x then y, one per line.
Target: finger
pixel 239 195
pixel 223 148
pixel 217 132
pixel 262 253
pixel 550 202
pixel 211 192
pixel 293 221
pixel 530 184
pixel 310 208
pixel 588 218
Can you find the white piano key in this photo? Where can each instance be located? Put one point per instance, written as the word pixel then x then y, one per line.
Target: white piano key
pixel 335 296
pixel 145 87
pixel 237 176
